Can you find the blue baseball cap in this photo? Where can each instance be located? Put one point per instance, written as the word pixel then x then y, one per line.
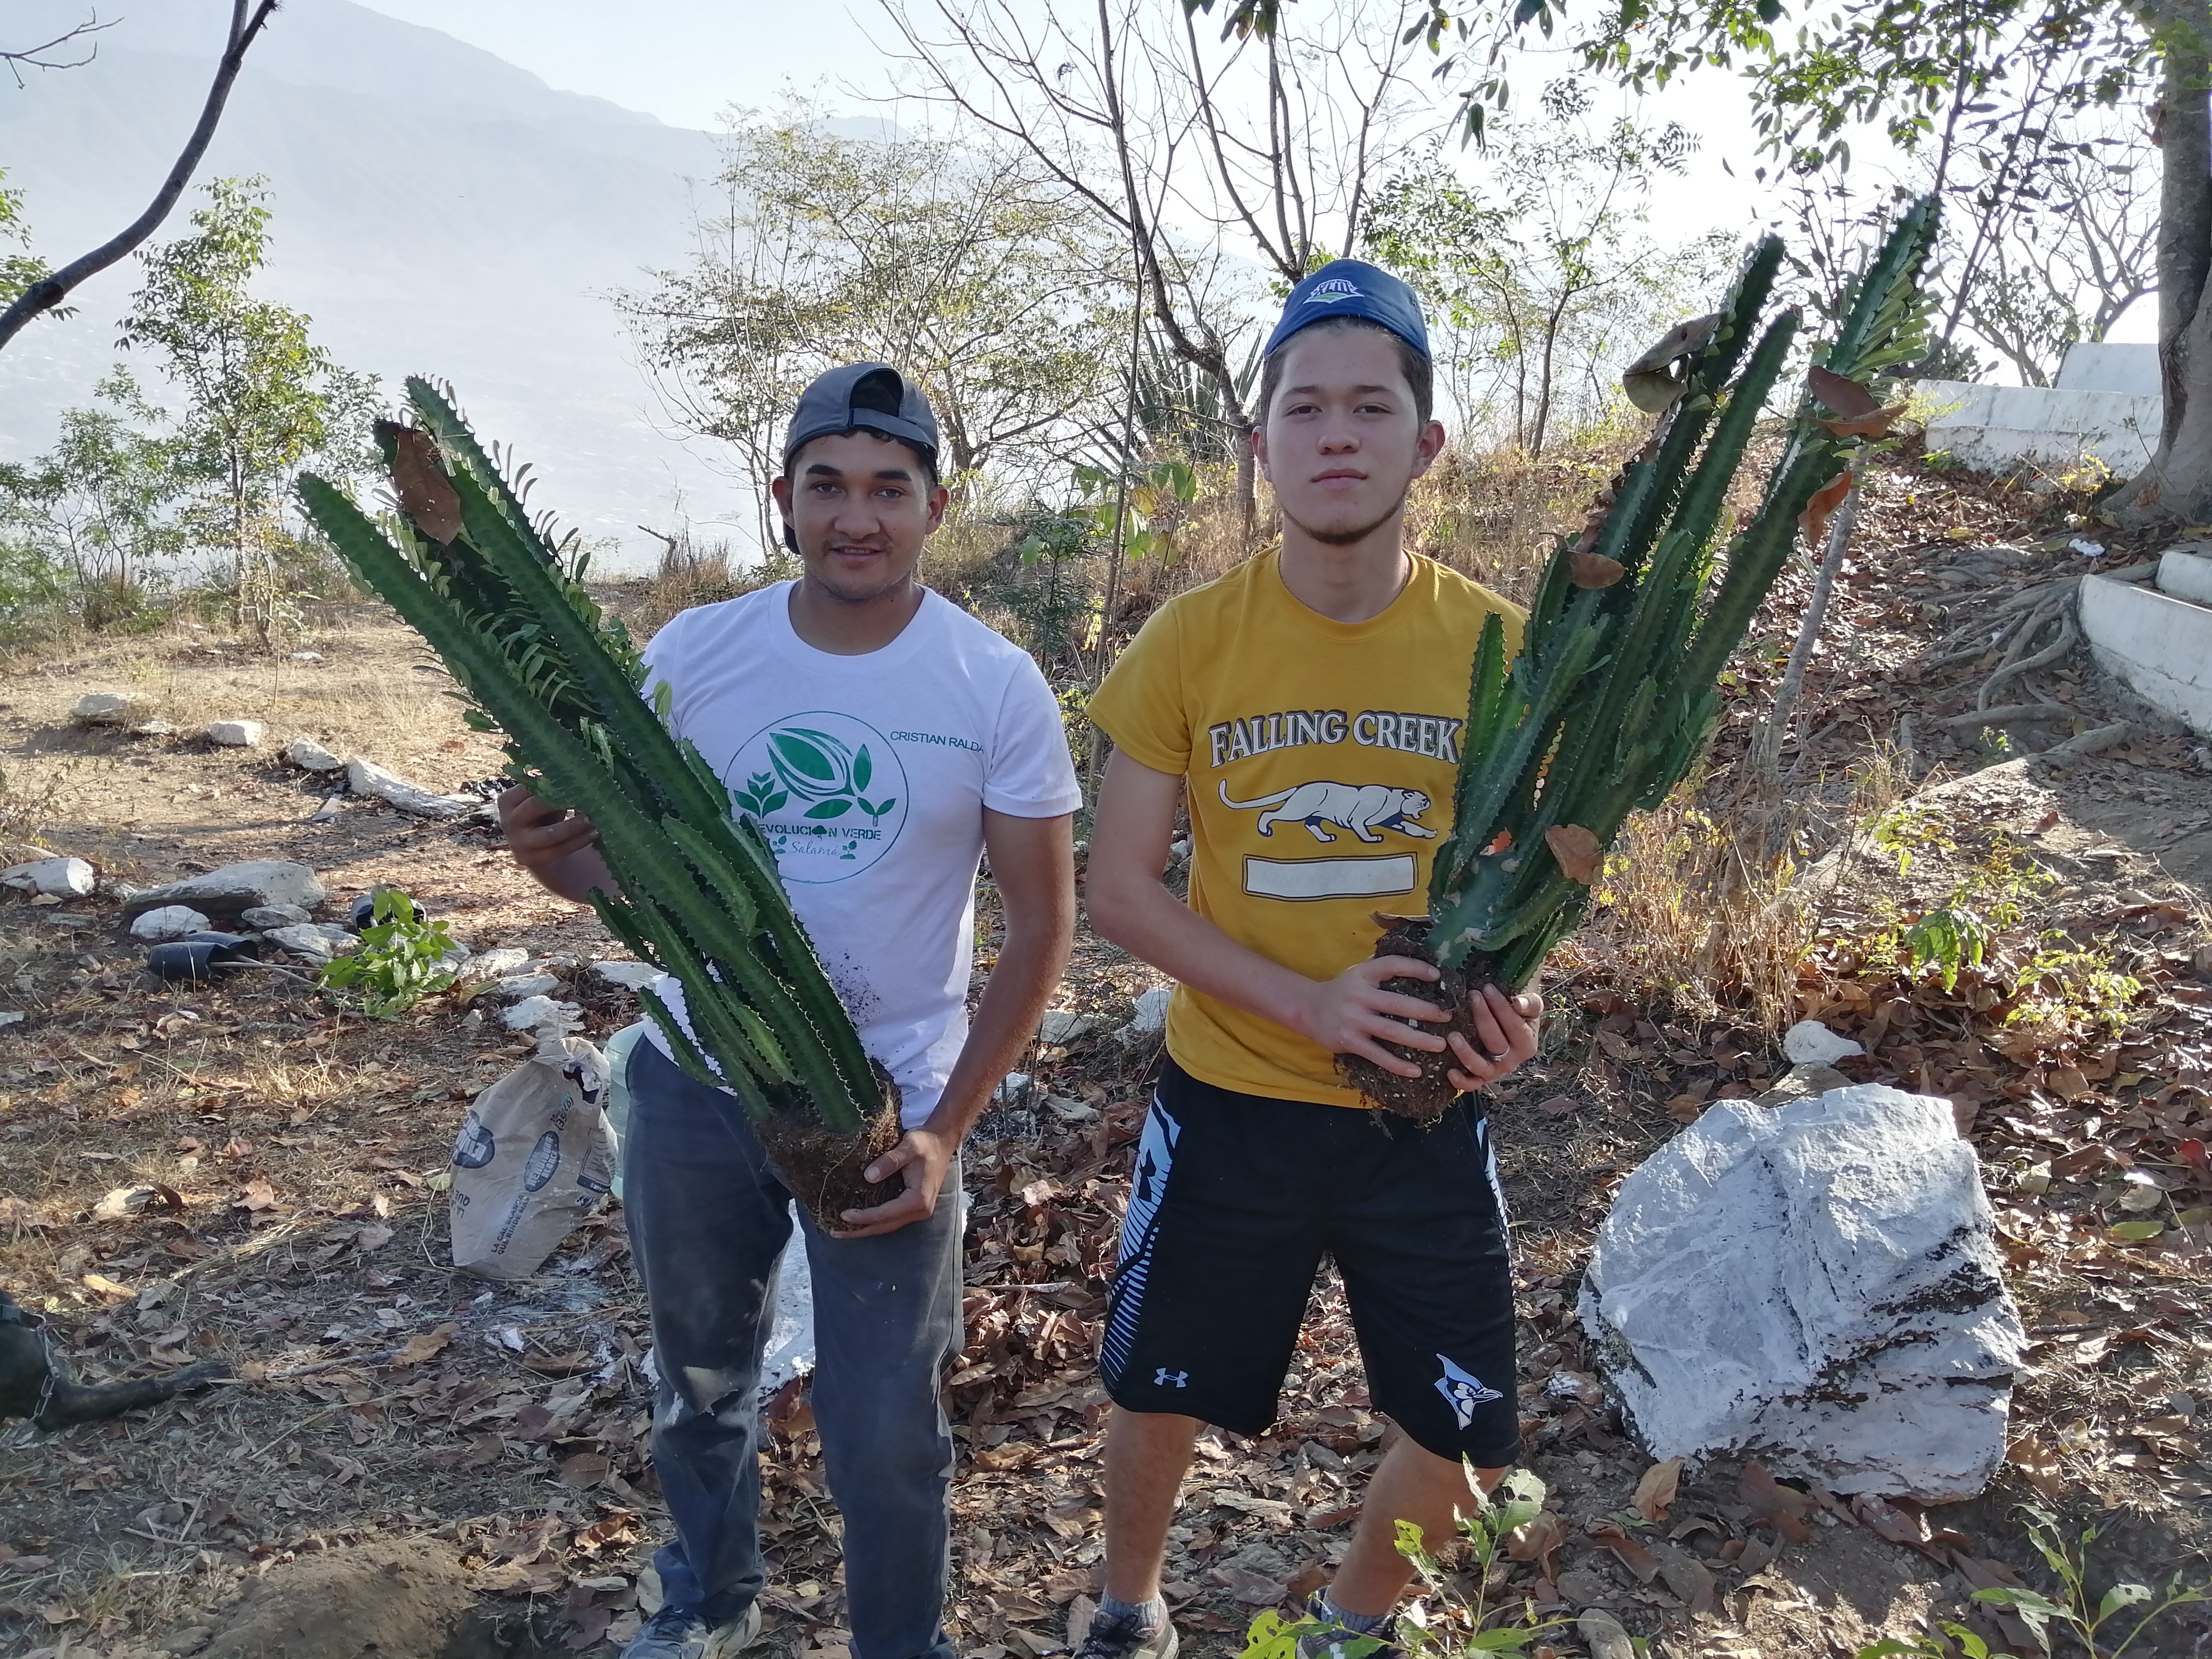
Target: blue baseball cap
pixel 862 396
pixel 1353 288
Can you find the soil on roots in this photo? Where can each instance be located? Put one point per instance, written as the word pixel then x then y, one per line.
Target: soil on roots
pixel 824 1169
pixel 1423 1098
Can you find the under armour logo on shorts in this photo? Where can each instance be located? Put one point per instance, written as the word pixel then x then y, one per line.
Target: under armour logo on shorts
pixel 1164 1377
pixel 1464 1391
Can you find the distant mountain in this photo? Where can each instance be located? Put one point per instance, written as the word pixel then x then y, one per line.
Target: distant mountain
pixel 436 211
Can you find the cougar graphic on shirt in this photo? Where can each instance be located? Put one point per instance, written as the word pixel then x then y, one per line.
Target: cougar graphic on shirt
pixel 1361 808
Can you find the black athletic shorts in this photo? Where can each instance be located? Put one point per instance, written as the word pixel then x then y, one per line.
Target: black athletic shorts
pixel 1235 1199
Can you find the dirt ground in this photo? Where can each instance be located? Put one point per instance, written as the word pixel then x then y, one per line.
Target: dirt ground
pixel 247 1171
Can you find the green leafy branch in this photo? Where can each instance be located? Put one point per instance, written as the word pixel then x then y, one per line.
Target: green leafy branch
pixel 401 959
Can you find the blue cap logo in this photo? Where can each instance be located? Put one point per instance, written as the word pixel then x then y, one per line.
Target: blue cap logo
pixel 1353 288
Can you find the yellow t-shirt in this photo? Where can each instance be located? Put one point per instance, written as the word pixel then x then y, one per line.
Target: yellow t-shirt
pixel 1319 757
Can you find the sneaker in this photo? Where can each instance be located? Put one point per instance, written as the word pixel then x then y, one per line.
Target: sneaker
pixel 1335 1641
pixel 682 1633
pixel 1125 1638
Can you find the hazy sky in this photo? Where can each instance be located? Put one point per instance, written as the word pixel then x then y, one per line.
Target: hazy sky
pixel 682 60
pixel 686 60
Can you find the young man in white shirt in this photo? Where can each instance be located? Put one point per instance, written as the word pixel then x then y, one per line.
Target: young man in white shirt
pixel 884 740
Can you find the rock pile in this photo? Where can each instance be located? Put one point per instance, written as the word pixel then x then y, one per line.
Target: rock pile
pixel 1816 1285
pixel 226 893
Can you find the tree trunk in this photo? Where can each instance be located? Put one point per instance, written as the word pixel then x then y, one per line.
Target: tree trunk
pixel 1766 742
pixel 2177 484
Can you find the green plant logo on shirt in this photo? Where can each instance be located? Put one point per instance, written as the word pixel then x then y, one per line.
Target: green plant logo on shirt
pixel 828 790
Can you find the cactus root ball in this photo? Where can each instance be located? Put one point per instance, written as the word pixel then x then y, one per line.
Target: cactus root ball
pixel 1424 1098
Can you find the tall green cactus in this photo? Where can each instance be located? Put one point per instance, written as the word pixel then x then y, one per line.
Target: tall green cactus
pixel 468 568
pixel 1613 696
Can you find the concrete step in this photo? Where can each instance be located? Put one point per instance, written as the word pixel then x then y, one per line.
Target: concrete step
pixel 2160 645
pixel 2185 571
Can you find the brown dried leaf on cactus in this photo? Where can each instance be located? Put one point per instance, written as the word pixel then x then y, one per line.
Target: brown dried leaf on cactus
pixel 426 494
pixel 1595 570
pixel 1875 423
pixel 1580 854
pixel 1814 521
pixel 1840 393
pixel 1652 382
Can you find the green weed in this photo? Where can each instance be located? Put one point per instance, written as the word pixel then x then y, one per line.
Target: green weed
pixel 1471 1624
pixel 1905 831
pixel 2092 1621
pixel 1959 933
pixel 401 960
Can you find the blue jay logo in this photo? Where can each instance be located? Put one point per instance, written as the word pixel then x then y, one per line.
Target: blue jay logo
pixel 1165 1379
pixel 1463 1391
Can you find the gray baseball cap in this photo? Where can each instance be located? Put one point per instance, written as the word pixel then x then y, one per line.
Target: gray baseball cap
pixel 862 396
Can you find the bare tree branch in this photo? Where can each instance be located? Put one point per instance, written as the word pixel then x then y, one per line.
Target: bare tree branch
pixel 49 292
pixel 41 57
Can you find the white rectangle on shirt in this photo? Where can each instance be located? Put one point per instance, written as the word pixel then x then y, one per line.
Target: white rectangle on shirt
pixel 1328 879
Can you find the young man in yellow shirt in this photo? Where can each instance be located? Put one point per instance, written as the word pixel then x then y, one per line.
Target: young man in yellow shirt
pixel 1312 701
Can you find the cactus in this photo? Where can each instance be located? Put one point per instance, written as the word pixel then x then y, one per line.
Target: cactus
pixel 463 562
pixel 1613 695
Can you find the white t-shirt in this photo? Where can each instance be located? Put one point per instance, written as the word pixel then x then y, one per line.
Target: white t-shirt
pixel 869 775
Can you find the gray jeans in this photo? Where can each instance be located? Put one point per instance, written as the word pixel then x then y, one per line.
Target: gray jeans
pixel 708 1223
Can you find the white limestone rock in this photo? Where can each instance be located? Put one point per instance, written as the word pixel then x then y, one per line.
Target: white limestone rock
pixel 62 877
pixel 497 963
pixel 368 778
pixel 1151 1013
pixel 1815 1284
pixel 227 893
pixel 311 756
pixel 1065 1025
pixel 235 734
pixel 543 1014
pixel 1808 1043
pixel 262 917
pixel 628 975
pixel 170 921
pixel 106 708
pixel 153 729
pixel 317 942
pixel 519 987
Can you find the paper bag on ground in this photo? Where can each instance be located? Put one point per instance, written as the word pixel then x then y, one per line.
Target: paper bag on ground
pixel 534 1157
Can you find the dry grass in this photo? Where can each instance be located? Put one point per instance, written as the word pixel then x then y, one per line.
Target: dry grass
pixel 692 573
pixel 1691 917
pixel 1490 515
pixel 375 691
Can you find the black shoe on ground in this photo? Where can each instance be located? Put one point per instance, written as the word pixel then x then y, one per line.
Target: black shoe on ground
pixel 674 1633
pixel 1125 1638
pixel 1336 1641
